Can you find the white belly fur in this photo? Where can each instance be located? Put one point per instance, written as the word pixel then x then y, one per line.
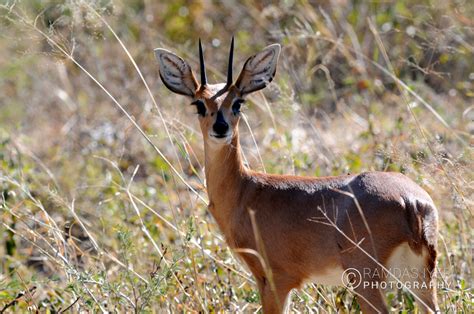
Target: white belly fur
pixel 330 276
pixel 402 263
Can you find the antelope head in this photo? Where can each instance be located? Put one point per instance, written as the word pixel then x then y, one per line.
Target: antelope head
pixel 218 105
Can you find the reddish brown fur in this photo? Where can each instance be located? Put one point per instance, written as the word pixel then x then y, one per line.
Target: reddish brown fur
pixel 298 247
pixel 291 213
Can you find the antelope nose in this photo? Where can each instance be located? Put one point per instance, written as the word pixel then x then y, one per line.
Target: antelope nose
pixel 220 126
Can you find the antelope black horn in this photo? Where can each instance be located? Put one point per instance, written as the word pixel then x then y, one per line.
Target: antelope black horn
pixel 229 67
pixel 203 66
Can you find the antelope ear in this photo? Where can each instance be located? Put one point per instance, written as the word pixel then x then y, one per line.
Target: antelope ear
pixel 176 73
pixel 259 70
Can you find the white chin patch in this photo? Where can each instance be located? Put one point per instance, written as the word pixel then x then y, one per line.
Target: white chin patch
pixel 220 140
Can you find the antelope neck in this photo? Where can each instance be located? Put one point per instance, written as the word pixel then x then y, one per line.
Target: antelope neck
pixel 225 173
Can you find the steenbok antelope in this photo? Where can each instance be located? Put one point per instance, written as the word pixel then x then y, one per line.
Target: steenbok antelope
pixel 360 228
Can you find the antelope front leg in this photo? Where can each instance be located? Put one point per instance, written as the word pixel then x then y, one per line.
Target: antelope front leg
pixel 275 300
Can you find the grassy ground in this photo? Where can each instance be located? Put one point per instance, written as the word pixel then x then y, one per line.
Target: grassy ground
pixel 93 217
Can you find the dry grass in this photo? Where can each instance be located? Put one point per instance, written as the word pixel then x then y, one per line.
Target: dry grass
pixel 97 215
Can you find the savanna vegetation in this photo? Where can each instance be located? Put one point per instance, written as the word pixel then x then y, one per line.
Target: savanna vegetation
pixel 103 204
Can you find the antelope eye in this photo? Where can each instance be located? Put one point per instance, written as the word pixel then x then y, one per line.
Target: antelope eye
pixel 201 107
pixel 237 105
